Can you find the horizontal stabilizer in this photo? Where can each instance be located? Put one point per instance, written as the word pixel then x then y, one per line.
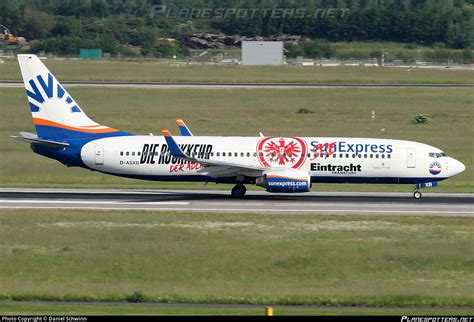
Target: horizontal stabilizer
pixel 33 138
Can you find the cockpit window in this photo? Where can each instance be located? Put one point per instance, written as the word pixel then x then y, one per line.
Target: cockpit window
pixel 437 155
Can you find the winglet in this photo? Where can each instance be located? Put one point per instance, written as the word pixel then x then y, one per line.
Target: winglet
pixel 183 128
pixel 165 132
pixel 175 150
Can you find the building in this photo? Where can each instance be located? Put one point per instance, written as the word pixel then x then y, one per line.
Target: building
pixel 90 53
pixel 262 53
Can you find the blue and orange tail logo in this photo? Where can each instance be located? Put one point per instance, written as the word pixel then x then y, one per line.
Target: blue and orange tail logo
pixel 55 113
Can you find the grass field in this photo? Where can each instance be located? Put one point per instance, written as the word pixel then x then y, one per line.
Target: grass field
pixel 337 112
pixel 28 308
pixel 236 258
pixel 170 72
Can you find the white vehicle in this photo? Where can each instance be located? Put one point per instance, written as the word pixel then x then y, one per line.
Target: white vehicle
pixel 279 164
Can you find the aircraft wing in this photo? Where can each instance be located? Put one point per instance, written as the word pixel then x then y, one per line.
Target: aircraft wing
pixel 213 168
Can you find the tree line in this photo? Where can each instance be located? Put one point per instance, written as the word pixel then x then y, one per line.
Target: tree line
pixel 64 26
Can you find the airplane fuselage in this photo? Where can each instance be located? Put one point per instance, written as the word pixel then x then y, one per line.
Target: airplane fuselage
pixel 351 160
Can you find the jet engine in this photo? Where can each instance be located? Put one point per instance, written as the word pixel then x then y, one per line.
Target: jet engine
pixel 288 181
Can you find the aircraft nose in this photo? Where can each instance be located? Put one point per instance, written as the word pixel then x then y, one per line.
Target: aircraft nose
pixel 456 167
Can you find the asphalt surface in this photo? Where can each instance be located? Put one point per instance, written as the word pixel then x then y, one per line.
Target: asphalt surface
pixel 198 85
pixel 337 203
pixel 242 306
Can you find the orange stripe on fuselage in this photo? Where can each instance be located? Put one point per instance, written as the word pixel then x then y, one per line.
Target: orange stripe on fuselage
pixel 38 121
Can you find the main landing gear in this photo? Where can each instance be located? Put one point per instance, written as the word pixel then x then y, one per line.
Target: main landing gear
pixel 417 194
pixel 238 191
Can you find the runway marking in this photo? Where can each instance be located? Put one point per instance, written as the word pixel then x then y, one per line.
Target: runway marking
pixel 361 211
pixel 101 202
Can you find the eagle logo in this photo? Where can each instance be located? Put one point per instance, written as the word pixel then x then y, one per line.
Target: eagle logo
pixel 283 151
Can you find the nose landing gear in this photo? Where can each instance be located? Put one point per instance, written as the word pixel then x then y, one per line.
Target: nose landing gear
pixel 417 195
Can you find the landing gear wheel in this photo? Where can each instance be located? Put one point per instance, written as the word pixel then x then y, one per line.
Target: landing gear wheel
pixel 417 195
pixel 238 191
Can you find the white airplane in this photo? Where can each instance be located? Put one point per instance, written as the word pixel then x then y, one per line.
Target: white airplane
pixel 279 164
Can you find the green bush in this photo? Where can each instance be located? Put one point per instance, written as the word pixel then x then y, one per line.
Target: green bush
pixel 421 119
pixel 136 297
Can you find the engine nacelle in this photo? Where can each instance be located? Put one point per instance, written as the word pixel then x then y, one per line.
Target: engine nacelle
pixel 285 181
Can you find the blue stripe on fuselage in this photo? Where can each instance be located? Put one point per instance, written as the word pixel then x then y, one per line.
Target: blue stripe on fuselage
pixel 71 155
pixel 248 180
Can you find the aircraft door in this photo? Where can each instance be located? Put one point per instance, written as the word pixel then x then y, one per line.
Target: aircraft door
pixel 411 158
pixel 99 154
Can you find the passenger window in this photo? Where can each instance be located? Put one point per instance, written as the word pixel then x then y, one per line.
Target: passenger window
pixel 383 156
pixel 438 155
pixel 261 154
pixel 371 156
pixel 359 156
pixel 241 154
pixel 248 154
pixel 353 156
pixel 334 155
pixel 365 156
pixel 121 153
pixel 347 155
pixel 432 155
pixel 133 153
pixel 127 153
pixel 389 156
pixel 138 153
pixel 309 155
pixel 376 156
pixel 341 155
pixel 255 154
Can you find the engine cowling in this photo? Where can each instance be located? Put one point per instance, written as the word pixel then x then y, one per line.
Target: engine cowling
pixel 288 181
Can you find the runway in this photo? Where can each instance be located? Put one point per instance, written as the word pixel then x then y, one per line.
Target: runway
pixel 334 203
pixel 201 85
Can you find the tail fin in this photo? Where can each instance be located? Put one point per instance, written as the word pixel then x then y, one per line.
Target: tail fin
pixel 55 113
